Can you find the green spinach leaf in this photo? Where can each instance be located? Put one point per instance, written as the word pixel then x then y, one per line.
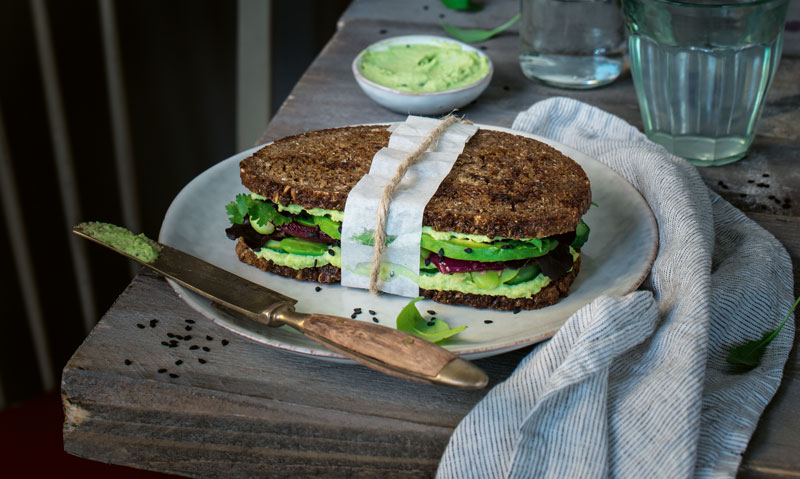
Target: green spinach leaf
pixel 474 35
pixel 434 330
pixel 750 353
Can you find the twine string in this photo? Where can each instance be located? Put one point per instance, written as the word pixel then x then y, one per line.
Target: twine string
pixel 388 191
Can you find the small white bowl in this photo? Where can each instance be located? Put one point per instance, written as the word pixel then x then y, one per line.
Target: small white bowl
pixel 428 103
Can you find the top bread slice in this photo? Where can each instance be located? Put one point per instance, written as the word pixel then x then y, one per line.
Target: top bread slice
pixel 502 185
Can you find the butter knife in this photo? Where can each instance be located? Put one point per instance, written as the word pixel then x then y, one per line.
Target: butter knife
pixel 378 347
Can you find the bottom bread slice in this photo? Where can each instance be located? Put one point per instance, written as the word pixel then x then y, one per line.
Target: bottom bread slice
pixel 547 296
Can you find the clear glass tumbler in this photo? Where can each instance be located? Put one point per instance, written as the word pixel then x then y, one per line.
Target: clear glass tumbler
pixel 702 70
pixel 576 44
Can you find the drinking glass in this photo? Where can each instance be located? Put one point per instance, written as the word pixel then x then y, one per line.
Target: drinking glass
pixel 576 44
pixel 702 70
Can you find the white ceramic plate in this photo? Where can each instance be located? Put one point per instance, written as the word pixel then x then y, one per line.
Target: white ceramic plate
pixel 616 259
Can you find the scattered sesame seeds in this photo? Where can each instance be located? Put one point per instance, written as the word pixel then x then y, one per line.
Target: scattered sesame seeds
pixel 488 321
pixel 194 346
pixel 173 375
pixel 153 323
pixel 170 335
pixel 209 338
pixel 318 289
pixel 441 254
pixel 162 371
pixel 332 252
pixel 372 312
pixel 179 362
pixel 430 311
pixel 164 343
pixel 507 246
pixel 431 323
pixel 188 328
pixel 428 261
pixel 468 250
pixel 206 349
pixel 516 311
pixel 353 316
pixel 187 337
pixel 225 342
pixel 383 31
pixel 201 360
pixel 190 321
pixel 375 320
pixel 128 362
pixel 140 325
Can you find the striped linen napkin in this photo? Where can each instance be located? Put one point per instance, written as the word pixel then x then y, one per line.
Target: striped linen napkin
pixel 638 386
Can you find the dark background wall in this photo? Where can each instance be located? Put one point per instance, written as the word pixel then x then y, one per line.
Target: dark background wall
pixel 178 60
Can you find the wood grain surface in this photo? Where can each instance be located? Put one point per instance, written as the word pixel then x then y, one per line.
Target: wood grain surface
pixel 157 386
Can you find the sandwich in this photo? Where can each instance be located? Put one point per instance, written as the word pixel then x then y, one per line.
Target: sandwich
pixel 503 230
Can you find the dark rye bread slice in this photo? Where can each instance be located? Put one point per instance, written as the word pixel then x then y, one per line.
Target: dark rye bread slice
pixel 501 185
pixel 547 296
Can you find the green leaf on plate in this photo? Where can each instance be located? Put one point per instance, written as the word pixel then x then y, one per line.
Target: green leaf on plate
pixel 462 5
pixel 474 35
pixel 434 330
pixel 750 353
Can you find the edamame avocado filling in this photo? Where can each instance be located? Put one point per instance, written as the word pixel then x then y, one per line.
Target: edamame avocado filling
pixel 294 237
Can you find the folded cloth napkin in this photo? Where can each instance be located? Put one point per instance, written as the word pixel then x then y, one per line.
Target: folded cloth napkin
pixel 638 386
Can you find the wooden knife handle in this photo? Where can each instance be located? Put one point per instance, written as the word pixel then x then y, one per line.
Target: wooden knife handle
pixel 389 350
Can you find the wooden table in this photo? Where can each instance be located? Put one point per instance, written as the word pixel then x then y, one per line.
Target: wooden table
pixel 249 410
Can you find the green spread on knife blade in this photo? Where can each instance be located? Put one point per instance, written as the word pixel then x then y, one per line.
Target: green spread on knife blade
pixel 122 239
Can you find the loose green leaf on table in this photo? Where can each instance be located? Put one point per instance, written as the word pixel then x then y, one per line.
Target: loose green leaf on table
pixel 750 353
pixel 434 330
pixel 474 35
pixel 468 5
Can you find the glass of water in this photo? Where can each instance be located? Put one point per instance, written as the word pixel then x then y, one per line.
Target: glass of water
pixel 702 69
pixel 576 44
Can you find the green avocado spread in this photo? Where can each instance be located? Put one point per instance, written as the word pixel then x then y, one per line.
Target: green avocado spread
pixel 139 246
pixel 423 67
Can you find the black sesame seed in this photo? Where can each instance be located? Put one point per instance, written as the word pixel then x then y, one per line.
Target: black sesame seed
pixel 353 316
pixel 317 289
pixel 201 360
pixel 357 310
pixel 194 346
pixel 179 362
pixel 765 175
pixel 190 321
pixel 441 15
pixel 315 262
pixel 332 252
pixel 742 195
pixel 153 323
pixel 382 31
pixel 209 338
pixel 128 362
pixel 140 325
pixel 516 311
pixel 340 228
pixel 751 181
pixel 506 87
pixel 430 311
pixel 431 323
pixel 507 246
pixel 164 343
pixel 468 250
pixel 762 185
pixel 187 337
pixel 484 47
pixel 375 320
pixel 206 349
pixel 173 375
pixel 170 335
pixel 424 7
pixel 441 254
pixel 433 318
pixel 428 261
pixel 162 371
pixel 488 321
pixel 225 342
pixel 188 328
pixel 372 312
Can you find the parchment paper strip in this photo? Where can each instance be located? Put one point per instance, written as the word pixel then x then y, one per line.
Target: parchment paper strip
pixel 400 260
